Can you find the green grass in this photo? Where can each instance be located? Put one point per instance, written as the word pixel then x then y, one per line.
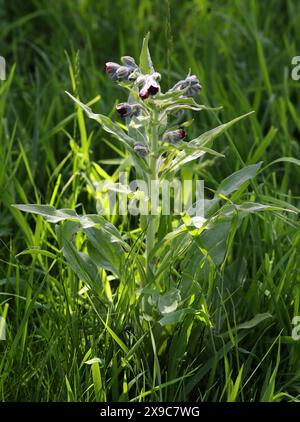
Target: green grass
pixel 241 51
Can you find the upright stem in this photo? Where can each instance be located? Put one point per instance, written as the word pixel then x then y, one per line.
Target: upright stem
pixel 151 229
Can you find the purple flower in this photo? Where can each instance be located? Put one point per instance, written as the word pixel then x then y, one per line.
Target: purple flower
pixel 149 84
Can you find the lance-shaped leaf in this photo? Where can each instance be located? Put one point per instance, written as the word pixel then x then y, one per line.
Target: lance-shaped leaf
pixel 232 183
pixel 185 156
pixel 210 135
pixel 103 252
pixel 197 147
pixel 171 106
pixel 254 321
pixel 107 124
pixel 146 65
pixel 80 262
pixel 247 208
pixel 115 130
pixel 214 237
pixel 52 215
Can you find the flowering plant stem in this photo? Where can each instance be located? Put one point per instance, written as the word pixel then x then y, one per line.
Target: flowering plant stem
pixel 151 229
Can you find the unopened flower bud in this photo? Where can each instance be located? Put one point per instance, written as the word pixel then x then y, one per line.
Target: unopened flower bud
pixel 124 109
pixel 129 61
pixel 128 110
pixel 190 84
pixel 123 72
pixel 111 70
pixel 141 149
pixel 174 136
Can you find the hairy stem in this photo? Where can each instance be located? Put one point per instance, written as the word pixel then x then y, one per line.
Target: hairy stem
pixel 151 229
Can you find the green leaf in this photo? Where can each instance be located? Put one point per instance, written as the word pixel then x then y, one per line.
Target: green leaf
pixel 291 160
pixel 169 301
pixel 186 155
pixel 48 212
pixel 186 103
pixel 105 242
pixel 97 380
pixel 176 317
pixel 254 321
pixel 107 124
pixel 146 65
pixel 115 130
pixel 93 360
pixel 214 239
pixel 210 135
pixel 81 264
pixel 197 147
pixel 52 215
pixel 235 180
pixel 249 208
pixel 104 251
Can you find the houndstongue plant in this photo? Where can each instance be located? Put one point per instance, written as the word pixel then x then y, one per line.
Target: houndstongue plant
pixel 153 133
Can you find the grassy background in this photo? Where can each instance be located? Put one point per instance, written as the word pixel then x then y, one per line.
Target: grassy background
pixel 241 51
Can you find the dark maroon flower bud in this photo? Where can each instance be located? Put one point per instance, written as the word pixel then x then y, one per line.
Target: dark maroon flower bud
pixel 174 136
pixel 190 84
pixel 124 109
pixel 111 70
pixel 128 110
pixel 141 149
pixel 181 133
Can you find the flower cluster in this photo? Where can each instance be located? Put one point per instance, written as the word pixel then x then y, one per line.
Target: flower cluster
pixel 148 85
pixel 129 71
